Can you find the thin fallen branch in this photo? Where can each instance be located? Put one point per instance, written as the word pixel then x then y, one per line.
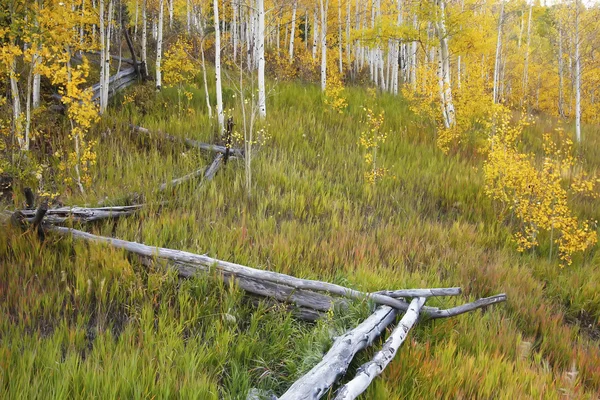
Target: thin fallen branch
pixel 454 311
pixel 315 383
pixel 188 142
pixel 370 370
pixel 455 291
pixel 183 179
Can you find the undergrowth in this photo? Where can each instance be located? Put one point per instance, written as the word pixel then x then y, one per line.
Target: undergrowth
pixel 80 320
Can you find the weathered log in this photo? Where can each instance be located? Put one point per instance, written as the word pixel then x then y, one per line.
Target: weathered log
pixel 82 214
pixel 269 276
pixel 370 370
pixel 310 304
pixel 315 383
pixel 236 269
pixel 455 291
pixel 189 142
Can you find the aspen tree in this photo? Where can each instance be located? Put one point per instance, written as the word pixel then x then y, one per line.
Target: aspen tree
pixel 159 43
pixel 220 115
pixel 262 99
pixel 323 44
pixel 293 33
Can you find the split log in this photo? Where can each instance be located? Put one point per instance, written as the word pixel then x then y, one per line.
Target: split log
pixel 370 370
pixel 455 291
pixel 319 379
pixel 189 142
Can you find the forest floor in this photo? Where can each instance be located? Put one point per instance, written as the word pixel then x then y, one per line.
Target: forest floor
pixel 80 320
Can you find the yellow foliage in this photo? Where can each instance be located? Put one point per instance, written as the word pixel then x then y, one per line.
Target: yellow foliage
pixel 534 193
pixel 371 139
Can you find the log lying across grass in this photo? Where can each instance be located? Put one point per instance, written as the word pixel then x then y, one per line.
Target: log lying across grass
pixel 189 142
pixel 241 271
pixel 82 214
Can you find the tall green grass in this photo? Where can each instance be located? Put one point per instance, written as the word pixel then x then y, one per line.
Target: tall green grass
pixel 82 320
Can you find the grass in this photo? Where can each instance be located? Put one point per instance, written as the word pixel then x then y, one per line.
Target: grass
pixel 81 320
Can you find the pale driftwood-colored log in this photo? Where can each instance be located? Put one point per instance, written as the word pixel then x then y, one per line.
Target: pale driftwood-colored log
pixel 455 291
pixel 370 370
pixel 83 214
pixel 270 276
pixel 236 269
pixel 189 142
pixel 315 383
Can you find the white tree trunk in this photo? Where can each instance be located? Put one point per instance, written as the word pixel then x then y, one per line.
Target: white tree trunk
pixel 135 26
pixel 444 69
pixel 561 95
pixel 341 54
pixel 293 33
pixel 220 115
pixel 16 100
pixel 262 98
pixel 208 106
pixel 144 38
pixel 159 41
pixel 577 76
pixel 171 14
pixel 235 29
pixel 526 62
pixel 498 52
pixel 324 44
pixel 102 57
pixel 315 34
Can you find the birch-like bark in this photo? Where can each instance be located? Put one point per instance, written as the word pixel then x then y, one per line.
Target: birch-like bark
pixel 234 30
pixel 262 97
pixel 561 95
pixel 208 106
pixel 293 32
pixel 171 13
pixel 577 75
pixel 220 115
pixel 324 8
pixel 16 100
pixel 135 26
pixel 144 39
pixel 498 52
pixel 159 41
pixel 444 69
pixel 341 54
pixel 315 34
pixel 526 62
pixel 102 57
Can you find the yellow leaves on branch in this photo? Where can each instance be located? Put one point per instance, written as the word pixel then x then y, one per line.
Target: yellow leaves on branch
pixel 533 191
pixel 370 140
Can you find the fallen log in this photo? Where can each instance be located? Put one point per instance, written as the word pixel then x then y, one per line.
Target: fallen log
pixel 189 142
pixel 315 383
pixel 83 214
pixel 370 370
pixel 308 305
pixel 270 276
